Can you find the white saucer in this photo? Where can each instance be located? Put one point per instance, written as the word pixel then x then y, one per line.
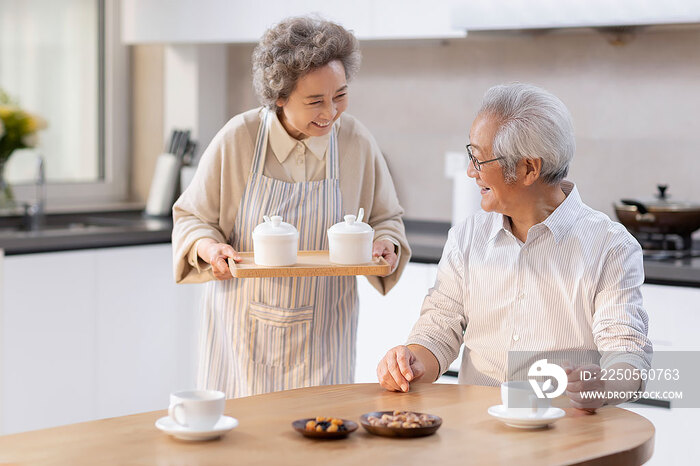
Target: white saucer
pixel 223 425
pixel 526 422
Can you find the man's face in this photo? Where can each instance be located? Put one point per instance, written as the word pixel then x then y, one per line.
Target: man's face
pixel 496 194
pixel 317 101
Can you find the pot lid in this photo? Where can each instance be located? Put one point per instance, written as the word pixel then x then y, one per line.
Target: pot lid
pixel 274 226
pixel 350 226
pixel 661 202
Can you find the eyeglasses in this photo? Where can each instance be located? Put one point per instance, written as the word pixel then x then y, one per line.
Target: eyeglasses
pixel 476 163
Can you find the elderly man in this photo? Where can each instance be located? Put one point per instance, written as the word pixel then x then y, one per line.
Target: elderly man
pixel 536 271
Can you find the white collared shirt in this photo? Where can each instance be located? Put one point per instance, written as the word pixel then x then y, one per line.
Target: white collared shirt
pixel 301 160
pixel 573 285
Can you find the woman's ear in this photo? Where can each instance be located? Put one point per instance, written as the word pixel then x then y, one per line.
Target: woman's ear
pixel 533 168
pixel 280 102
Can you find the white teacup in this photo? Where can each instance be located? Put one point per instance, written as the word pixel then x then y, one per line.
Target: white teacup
pixel 197 409
pixel 520 399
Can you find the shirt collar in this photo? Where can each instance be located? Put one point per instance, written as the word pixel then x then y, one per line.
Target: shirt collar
pixel 283 144
pixel 558 222
pixel 564 216
pixel 500 223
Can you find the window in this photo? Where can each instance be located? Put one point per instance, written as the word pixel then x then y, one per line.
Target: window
pixel 63 61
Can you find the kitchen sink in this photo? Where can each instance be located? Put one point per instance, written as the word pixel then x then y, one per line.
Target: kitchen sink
pixel 22 233
pixel 26 225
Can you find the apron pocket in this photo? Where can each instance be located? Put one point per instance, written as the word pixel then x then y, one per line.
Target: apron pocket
pixel 280 337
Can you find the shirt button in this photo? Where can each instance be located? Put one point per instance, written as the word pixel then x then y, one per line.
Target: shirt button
pixel 516 337
pixel 300 160
pixel 300 148
pixel 521 296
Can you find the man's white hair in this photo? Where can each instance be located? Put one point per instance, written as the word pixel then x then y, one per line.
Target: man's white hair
pixel 533 123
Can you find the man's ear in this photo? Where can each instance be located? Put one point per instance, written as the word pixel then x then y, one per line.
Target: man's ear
pixel 533 167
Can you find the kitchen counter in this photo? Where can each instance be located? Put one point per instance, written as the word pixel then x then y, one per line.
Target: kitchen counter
pixel 132 227
pixel 428 238
pixel 265 435
pixel 84 230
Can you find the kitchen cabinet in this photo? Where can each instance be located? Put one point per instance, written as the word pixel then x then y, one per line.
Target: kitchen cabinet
pixel 493 15
pixel 48 340
pixel 674 316
pixel 91 334
pixel 224 21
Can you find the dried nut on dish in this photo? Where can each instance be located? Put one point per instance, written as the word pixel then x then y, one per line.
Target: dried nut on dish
pixel 405 419
pixel 326 424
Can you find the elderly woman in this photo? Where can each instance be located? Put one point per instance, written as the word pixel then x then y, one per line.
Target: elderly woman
pixel 299 156
pixel 536 271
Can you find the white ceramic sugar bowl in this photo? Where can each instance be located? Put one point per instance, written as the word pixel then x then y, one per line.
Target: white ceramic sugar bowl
pixel 275 242
pixel 350 242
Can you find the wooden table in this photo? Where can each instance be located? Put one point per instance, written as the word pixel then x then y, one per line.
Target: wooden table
pixel 468 434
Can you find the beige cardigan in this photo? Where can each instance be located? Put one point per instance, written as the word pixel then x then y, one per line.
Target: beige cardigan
pixel 208 207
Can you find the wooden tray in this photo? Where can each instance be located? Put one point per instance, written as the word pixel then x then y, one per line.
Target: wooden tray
pixel 309 264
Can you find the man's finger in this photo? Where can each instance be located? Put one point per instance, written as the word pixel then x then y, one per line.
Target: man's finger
pixel 403 358
pixel 577 386
pixel 385 378
pixel 567 366
pixel 418 369
pixel 591 373
pixel 586 405
pixel 395 372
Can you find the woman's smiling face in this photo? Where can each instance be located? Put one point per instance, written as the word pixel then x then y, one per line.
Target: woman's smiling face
pixel 317 101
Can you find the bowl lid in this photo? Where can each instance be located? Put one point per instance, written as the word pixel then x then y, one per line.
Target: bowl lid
pixel 350 226
pixel 274 226
pixel 660 203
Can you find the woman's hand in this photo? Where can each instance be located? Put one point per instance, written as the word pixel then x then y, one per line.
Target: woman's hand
pixel 216 254
pixel 386 249
pixel 398 368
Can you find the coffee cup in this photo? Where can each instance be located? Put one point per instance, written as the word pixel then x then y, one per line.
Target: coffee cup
pixel 520 399
pixel 197 409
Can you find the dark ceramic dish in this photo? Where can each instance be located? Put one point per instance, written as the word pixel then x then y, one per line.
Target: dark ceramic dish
pixel 300 426
pixel 399 431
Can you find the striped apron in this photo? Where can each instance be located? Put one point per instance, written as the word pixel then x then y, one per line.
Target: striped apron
pixel 267 334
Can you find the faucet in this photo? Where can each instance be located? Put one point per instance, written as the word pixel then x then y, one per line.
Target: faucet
pixel 36 211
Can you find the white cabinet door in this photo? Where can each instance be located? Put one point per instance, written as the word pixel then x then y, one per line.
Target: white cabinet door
pixel 228 21
pixel 386 321
pixel 412 19
pixel 93 334
pixel 47 340
pixel 146 330
pixel 674 316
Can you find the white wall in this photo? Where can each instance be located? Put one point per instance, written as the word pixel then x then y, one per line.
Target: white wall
pixel 634 106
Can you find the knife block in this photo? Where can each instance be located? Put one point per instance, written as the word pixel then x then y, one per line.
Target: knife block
pixel 163 186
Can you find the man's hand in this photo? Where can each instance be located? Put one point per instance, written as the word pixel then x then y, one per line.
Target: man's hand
pixel 398 368
pixel 217 254
pixel 385 249
pixel 590 382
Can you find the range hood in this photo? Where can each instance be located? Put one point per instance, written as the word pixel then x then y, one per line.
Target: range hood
pixel 495 15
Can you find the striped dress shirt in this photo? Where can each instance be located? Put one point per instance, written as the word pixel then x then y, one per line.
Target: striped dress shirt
pixel 573 285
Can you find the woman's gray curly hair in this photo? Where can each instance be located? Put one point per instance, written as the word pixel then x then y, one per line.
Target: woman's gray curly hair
pixel 295 47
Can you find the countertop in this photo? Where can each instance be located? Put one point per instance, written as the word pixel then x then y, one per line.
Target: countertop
pixel 85 230
pixel 132 227
pixel 265 435
pixel 428 238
